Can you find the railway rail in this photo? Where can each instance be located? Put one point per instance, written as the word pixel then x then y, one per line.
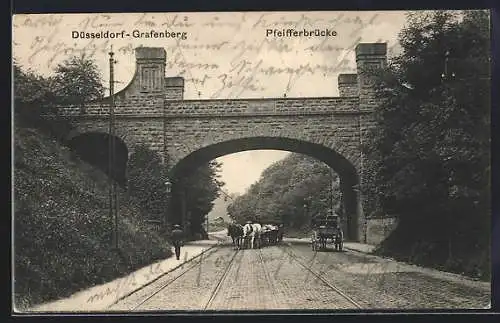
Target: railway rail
pixel 218 286
pixel 268 276
pixel 193 264
pixel 191 267
pixel 166 284
pixel 320 277
pixel 208 303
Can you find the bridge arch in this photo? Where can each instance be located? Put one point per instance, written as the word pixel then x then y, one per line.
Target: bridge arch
pixel 349 178
pixel 93 147
pixel 152 110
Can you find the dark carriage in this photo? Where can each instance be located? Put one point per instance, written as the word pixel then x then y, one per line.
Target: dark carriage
pixel 272 233
pixel 325 229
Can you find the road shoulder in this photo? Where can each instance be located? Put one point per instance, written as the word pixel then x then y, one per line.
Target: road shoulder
pixel 367 251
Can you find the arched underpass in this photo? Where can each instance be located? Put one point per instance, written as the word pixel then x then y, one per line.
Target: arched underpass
pixel 343 167
pixel 94 148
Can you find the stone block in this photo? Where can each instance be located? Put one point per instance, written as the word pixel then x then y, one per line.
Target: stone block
pixel 370 49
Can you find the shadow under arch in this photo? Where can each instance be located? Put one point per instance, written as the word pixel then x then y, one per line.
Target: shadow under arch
pixel 349 178
pixel 93 148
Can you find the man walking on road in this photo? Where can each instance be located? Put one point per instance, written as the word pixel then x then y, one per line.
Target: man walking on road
pixel 177 236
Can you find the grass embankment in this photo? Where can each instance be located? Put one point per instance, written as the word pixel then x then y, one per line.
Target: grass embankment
pixel 63 233
pixel 424 249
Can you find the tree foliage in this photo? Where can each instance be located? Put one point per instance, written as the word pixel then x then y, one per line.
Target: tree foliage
pixel 429 154
pixel 290 191
pixel 203 188
pixel 75 81
pixel 31 88
pixel 147 178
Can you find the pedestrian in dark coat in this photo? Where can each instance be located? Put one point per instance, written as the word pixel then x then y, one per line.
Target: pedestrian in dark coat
pixel 177 238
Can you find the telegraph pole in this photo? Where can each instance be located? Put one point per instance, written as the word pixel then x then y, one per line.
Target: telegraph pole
pixel 445 76
pixel 110 150
pixel 113 197
pixel 331 190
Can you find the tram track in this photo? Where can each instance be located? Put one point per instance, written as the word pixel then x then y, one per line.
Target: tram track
pixel 196 263
pixel 193 265
pixel 280 277
pixel 320 277
pixel 228 268
pixel 209 301
pixel 268 278
pixel 220 282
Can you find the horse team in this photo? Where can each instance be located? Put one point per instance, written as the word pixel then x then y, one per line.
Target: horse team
pixel 254 235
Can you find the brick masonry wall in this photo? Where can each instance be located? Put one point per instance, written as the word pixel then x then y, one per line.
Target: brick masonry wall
pixel 186 135
pixel 348 90
pixel 143 105
pixel 133 131
pixel 348 85
pixel 333 122
pixel 290 106
pixel 174 93
pixel 150 111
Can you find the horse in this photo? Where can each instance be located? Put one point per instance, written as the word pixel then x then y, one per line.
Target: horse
pixel 235 231
pixel 339 239
pixel 280 232
pixel 251 233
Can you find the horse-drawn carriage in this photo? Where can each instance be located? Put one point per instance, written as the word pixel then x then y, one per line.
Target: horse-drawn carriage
pixel 324 228
pixel 256 235
pixel 271 234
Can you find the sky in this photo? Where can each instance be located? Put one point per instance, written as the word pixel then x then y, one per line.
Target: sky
pixel 240 170
pixel 223 55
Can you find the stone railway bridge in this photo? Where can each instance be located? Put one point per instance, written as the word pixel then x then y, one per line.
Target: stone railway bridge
pixel 151 110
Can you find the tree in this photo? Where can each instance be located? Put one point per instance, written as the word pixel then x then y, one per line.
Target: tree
pixel 202 189
pixel 31 88
pixel 78 80
pixel 282 191
pixel 75 81
pixel 428 156
pixel 146 182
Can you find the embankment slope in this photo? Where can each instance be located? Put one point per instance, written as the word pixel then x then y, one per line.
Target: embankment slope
pixel 62 230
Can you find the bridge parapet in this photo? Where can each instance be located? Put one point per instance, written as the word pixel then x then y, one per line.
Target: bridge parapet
pixel 158 107
pixel 133 105
pixel 252 107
